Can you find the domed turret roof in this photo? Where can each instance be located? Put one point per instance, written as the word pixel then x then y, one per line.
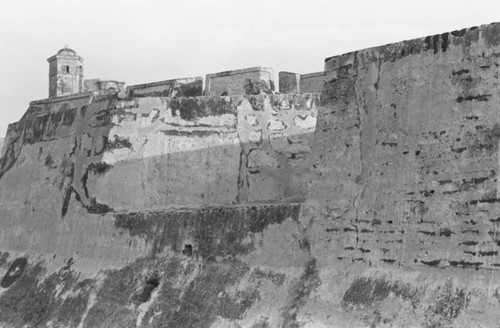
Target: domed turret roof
pixel 66 51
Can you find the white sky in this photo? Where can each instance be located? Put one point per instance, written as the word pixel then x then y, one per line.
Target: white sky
pixel 142 41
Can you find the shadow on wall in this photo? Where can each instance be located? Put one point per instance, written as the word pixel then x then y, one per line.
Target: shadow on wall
pixel 72 121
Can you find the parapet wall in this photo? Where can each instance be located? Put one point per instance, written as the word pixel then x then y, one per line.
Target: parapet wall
pixel 185 87
pixel 247 81
pixel 261 80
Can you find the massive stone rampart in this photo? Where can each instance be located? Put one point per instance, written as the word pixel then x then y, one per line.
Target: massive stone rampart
pixel 406 164
pixel 417 179
pixel 374 204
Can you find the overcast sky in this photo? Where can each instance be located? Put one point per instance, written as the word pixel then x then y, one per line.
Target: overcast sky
pixel 141 41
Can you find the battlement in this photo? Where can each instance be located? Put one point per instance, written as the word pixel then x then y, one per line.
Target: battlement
pixel 66 79
pixel 259 79
pixel 246 81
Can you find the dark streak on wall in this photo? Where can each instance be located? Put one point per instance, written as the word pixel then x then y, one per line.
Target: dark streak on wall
pixel 215 232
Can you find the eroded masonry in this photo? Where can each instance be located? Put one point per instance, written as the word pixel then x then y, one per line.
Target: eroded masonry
pixel 366 195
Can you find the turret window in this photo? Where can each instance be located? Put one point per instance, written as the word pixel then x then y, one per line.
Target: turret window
pixel 65 68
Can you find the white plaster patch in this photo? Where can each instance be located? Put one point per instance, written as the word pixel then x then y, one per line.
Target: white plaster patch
pixel 276 125
pixel 224 120
pixel 306 123
pixel 285 104
pixel 308 103
pixel 252 119
pixel 255 136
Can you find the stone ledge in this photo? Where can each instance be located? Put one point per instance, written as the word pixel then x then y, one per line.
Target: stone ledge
pixel 315 74
pixel 163 82
pixel 240 71
pixel 59 99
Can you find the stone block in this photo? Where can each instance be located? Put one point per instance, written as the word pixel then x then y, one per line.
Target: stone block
pixel 289 82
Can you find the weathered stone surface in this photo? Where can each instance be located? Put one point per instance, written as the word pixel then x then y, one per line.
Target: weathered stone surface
pixel 289 82
pixel 80 207
pixel 374 204
pixel 103 86
pixel 312 82
pixel 247 81
pixel 405 164
pixel 2 140
pixel 419 153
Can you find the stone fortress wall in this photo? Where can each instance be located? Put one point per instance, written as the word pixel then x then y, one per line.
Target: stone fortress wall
pixel 373 202
pixel 234 82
